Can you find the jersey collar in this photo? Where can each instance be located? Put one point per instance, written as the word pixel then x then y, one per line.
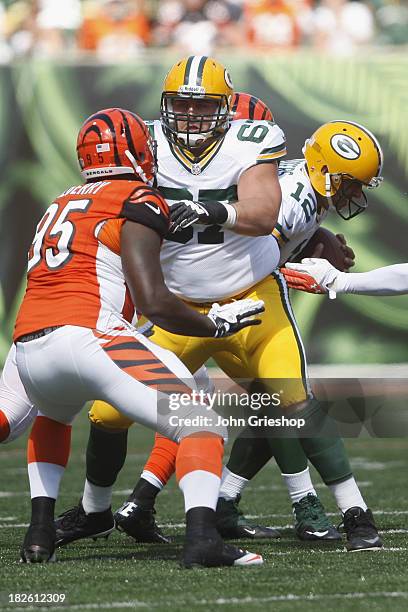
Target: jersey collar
pixel 189 162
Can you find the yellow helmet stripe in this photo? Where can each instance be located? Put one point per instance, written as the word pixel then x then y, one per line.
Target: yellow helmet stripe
pixel 194 70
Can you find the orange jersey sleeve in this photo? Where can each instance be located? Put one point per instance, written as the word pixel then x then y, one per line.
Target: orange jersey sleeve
pixel 145 205
pixel 109 234
pixel 75 274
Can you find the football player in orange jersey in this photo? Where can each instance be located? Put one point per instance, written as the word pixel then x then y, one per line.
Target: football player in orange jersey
pixel 16 411
pixel 94 255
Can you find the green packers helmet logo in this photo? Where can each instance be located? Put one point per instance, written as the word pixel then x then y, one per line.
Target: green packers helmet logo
pixel 345 146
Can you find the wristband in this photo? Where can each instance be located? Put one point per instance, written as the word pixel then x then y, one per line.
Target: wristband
pixel 232 216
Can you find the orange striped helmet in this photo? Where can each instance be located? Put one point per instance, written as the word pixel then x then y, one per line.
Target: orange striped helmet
pixel 245 106
pixel 115 141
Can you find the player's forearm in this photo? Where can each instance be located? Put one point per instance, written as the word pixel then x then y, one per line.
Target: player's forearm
pixel 259 200
pixel 256 217
pixel 140 249
pixel 167 311
pixel 390 280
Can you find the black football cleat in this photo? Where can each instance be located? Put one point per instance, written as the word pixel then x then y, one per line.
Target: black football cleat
pixel 213 552
pixel 39 544
pixel 361 532
pixel 232 524
pixel 75 524
pixel 312 523
pixel 139 523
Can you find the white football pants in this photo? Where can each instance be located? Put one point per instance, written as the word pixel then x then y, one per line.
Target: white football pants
pixel 72 365
pixel 14 402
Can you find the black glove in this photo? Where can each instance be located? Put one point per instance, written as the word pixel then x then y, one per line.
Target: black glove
pixel 183 214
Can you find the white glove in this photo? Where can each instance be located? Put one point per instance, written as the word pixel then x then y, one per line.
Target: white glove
pixel 325 275
pixel 232 317
pixel 203 381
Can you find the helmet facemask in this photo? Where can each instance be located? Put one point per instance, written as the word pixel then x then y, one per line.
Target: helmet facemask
pixel 342 159
pixel 348 199
pixel 194 131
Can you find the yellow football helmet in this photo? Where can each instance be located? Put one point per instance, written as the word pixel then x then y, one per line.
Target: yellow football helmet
pixel 341 158
pixel 195 102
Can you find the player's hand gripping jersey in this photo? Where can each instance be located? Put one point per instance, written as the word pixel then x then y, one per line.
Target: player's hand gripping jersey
pixel 75 256
pixel 226 263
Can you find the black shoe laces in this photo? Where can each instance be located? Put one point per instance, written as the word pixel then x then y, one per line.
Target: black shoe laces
pixel 361 523
pixel 74 517
pixel 311 506
pixel 235 505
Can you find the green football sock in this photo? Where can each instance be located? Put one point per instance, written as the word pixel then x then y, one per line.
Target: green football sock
pixel 289 455
pixel 249 454
pixel 329 457
pixel 327 453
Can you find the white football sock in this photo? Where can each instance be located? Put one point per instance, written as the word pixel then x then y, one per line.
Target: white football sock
pixel 152 478
pixel 299 485
pixel 44 479
pixel 95 498
pixel 347 495
pixel 231 484
pixel 200 489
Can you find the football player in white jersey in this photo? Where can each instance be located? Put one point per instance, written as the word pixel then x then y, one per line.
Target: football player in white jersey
pixel 209 255
pixel 302 211
pixel 334 149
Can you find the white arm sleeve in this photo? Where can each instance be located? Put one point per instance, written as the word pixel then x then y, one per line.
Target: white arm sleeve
pixel 391 280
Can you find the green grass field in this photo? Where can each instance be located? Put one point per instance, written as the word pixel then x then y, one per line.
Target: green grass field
pixel 119 574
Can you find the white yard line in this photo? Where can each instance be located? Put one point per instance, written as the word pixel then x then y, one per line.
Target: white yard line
pixel 120 493
pixel 281 487
pixel 221 601
pixel 384 512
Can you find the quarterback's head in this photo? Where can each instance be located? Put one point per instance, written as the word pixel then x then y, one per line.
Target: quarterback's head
pixel 195 103
pixel 245 106
pixel 114 141
pixel 342 158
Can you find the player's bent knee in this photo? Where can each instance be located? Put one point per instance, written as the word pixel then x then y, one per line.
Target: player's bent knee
pixel 14 422
pixel 4 427
pixel 206 455
pixel 105 416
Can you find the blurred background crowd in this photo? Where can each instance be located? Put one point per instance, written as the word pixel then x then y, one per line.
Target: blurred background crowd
pixel 112 30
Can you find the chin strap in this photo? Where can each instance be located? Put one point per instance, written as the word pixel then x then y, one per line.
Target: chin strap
pixel 138 169
pixel 327 185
